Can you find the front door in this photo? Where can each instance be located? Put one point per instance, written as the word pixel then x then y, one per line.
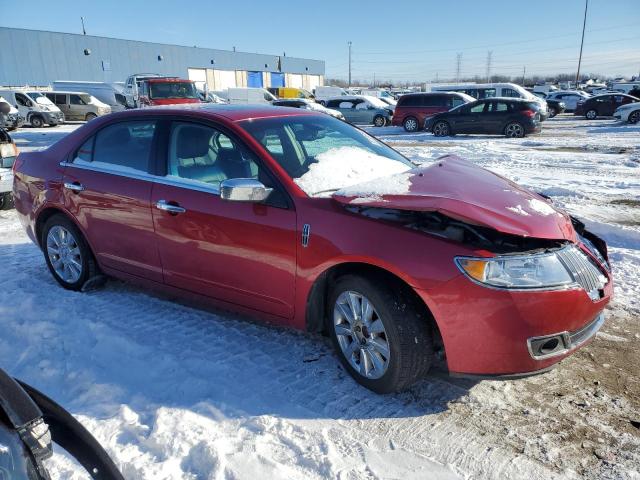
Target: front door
pixel 107 188
pixel 239 252
pixel 469 119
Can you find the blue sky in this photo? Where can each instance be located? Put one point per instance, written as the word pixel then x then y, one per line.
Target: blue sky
pixel 410 40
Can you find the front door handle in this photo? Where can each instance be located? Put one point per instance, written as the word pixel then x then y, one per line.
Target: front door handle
pixel 74 187
pixel 169 207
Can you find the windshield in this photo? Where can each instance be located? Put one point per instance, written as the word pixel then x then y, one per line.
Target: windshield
pixel 322 154
pixel 173 90
pixel 39 98
pixel 376 102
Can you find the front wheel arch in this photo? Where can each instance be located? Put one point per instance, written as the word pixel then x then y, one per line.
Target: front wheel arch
pixel 316 307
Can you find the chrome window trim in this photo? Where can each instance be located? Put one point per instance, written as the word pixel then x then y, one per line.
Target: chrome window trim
pixel 173 181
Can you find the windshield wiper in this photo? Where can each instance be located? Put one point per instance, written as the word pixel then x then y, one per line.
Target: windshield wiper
pixel 325 191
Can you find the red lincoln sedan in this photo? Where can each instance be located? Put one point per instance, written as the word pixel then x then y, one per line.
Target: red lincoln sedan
pixel 312 223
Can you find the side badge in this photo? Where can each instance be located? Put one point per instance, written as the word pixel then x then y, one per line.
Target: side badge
pixel 306 232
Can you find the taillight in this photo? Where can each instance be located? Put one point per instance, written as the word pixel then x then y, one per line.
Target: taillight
pixel 529 113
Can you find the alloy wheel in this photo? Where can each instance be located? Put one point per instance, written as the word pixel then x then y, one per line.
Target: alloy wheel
pixel 634 117
pixel 378 121
pixel 361 334
pixel 592 114
pixel 64 254
pixel 410 125
pixel 514 130
pixel 441 129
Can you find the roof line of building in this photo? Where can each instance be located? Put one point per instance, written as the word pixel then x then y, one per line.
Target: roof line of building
pixel 159 43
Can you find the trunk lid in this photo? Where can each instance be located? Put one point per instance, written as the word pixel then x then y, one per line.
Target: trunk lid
pixel 461 190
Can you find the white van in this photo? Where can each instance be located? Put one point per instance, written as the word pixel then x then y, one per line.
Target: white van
pixel 78 105
pixel 625 87
pixel 249 95
pixel 13 119
pixel 323 94
pixel 34 106
pixel 487 90
pixel 109 93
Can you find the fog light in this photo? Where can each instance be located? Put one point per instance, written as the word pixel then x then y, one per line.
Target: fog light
pixel 543 347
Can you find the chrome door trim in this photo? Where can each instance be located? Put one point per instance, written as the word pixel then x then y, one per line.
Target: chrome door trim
pixel 170 181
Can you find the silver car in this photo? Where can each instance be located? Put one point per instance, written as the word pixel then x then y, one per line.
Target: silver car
pixel 78 105
pixel 362 110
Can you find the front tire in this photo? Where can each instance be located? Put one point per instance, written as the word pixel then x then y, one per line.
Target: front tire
pixel 410 124
pixel 6 201
pixel 379 334
pixel 514 130
pixel 379 121
pixel 634 117
pixel 441 129
pixel 90 116
pixel 37 121
pixel 67 253
pixel 591 115
pixel 552 112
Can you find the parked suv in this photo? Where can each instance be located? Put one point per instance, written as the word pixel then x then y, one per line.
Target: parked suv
pixel 413 109
pixel 78 105
pixel 570 98
pixel 362 110
pixel 510 117
pixel 602 105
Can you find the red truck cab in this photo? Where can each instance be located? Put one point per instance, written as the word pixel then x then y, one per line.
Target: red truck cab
pixel 167 91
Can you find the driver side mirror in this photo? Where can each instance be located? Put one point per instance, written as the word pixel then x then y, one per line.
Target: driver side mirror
pixel 244 190
pixel 5 108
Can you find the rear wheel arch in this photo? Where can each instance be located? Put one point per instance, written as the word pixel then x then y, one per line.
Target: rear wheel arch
pixel 316 307
pixel 48 212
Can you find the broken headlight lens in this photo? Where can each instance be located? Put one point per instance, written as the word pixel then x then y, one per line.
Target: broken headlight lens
pixel 538 271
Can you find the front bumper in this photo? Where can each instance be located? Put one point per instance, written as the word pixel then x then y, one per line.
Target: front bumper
pixel 53 118
pixel 14 121
pixel 488 332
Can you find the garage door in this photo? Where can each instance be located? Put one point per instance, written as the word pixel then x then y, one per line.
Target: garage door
pixel 254 79
pixel 277 79
pixel 294 80
pixel 199 76
pixel 313 82
pixel 224 79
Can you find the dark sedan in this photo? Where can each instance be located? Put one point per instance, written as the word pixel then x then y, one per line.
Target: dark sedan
pixel 555 107
pixel 602 105
pixel 511 117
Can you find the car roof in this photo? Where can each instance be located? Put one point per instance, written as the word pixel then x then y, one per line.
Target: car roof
pixel 234 113
pixel 167 80
pixel 67 92
pixel 507 99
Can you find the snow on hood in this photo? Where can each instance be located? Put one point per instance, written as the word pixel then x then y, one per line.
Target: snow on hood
pixel 345 166
pixel 463 191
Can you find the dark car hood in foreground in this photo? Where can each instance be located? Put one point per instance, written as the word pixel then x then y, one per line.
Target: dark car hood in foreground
pixel 461 190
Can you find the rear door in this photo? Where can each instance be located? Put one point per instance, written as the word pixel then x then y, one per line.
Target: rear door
pixel 107 188
pixel 496 117
pixel 238 252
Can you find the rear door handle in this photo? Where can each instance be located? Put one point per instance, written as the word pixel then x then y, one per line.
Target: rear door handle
pixel 168 207
pixel 74 187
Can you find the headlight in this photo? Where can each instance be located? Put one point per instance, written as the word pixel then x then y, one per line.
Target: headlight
pixel 518 271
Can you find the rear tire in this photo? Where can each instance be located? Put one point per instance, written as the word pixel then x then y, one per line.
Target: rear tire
pixel 552 112
pixel 6 201
pixel 441 129
pixel 410 124
pixel 514 130
pixel 385 348
pixel 36 121
pixel 591 115
pixel 323 103
pixel 379 121
pixel 90 116
pixel 634 117
pixel 67 253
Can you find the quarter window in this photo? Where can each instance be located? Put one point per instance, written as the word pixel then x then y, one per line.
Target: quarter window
pixel 124 146
pixel 510 92
pixel 457 101
pixel 207 155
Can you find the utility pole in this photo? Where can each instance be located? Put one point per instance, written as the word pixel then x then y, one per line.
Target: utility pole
pixel 489 54
pixel 349 62
pixel 584 24
pixel 84 32
pixel 524 71
pixel 458 65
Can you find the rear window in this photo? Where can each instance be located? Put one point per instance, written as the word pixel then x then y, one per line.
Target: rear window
pixel 410 101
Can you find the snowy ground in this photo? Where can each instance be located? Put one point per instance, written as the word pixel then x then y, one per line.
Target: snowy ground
pixel 174 392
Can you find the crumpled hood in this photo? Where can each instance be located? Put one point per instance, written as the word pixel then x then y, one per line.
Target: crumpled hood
pixel 461 190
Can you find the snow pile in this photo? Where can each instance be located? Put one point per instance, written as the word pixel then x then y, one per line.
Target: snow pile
pixel 345 166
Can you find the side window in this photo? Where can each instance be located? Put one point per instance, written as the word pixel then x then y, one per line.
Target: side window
pixel 510 92
pixel 51 97
pixel 120 146
pixel 22 100
pixel 346 105
pixel 205 154
pixel 362 105
pixel 410 101
pixel 479 108
pixel 76 100
pixel 473 92
pixel 487 92
pixel 85 152
pixel 456 101
pixel 60 99
pixel 498 107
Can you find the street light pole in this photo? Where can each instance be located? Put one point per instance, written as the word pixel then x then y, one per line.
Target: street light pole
pixel 349 63
pixel 584 24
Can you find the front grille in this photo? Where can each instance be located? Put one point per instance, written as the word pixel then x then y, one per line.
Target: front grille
pixel 584 271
